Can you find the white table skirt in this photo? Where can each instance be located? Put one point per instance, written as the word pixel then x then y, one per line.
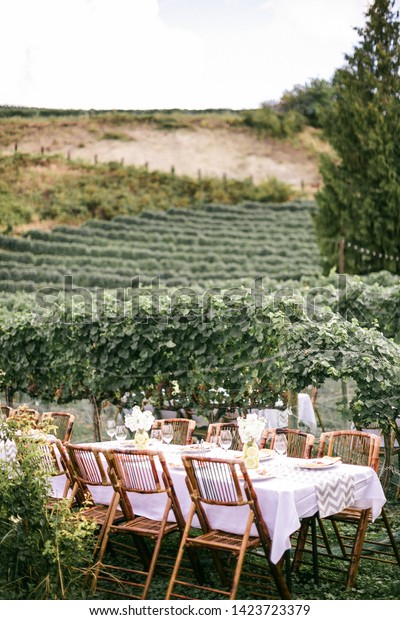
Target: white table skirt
pixel 277 418
pixel 284 498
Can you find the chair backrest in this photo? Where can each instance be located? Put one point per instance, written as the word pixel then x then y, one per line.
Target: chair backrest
pixel 6 410
pixel 49 460
pixel 25 412
pixel 299 443
pixel 216 481
pixel 354 447
pixel 214 430
pixel 136 471
pixel 182 427
pixel 87 468
pixel 62 421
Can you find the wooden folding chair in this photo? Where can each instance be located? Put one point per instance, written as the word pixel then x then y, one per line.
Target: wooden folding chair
pixel 50 460
pixel 214 430
pixel 299 443
pixel 182 427
pixel 62 421
pixel 356 448
pixel 215 482
pixel 137 472
pixel 87 470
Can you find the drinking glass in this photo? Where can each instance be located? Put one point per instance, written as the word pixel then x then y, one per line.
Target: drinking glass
pixel 280 445
pixel 215 442
pixel 226 439
pixel 156 437
pixel 121 432
pixel 111 428
pixel 167 433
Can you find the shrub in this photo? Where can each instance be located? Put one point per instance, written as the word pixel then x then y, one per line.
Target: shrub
pixel 43 553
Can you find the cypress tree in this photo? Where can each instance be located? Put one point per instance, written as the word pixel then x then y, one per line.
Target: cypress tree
pixel 360 198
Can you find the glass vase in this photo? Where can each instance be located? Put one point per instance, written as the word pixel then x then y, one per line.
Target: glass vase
pixel 141 440
pixel 251 455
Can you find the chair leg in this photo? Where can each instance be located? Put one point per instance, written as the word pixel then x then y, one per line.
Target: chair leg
pixel 240 559
pixel 314 548
pixel 180 553
pixel 301 541
pixel 390 534
pixel 156 550
pixel 103 540
pixel 357 549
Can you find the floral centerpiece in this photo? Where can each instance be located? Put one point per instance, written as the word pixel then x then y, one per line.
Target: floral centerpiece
pixel 139 422
pixel 250 430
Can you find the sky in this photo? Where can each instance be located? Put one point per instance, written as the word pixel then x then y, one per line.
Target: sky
pixel 161 54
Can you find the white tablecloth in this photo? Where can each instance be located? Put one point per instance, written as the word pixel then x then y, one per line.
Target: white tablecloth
pixel 284 498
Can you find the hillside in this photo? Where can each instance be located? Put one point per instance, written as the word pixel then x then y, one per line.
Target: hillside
pixel 232 184
pixel 208 144
pixel 214 245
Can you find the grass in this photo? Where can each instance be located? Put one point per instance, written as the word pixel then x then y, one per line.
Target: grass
pixel 42 188
pixel 376 581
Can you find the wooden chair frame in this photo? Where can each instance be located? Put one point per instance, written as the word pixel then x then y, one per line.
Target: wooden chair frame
pixel 15 413
pixel 63 422
pixel 6 410
pixel 300 443
pixel 183 429
pixel 214 430
pixel 135 471
pixel 216 482
pixel 52 461
pixel 87 468
pixel 357 448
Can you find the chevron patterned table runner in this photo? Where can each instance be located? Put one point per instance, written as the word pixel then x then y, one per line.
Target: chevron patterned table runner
pixel 334 493
pixel 334 488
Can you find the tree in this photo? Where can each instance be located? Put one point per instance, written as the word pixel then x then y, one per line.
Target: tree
pixel 360 199
pixel 312 100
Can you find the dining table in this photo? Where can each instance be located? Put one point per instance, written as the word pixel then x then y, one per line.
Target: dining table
pixel 288 489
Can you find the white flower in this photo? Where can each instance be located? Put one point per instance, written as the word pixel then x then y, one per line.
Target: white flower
pixel 139 420
pixel 124 398
pixel 250 427
pixel 175 388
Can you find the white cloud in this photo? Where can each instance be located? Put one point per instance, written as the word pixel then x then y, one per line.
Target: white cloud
pixel 120 54
pixel 79 53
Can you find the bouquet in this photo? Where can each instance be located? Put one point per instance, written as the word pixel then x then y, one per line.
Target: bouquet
pixel 250 428
pixel 139 420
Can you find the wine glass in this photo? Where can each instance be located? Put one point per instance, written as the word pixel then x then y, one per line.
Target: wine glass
pixel 111 429
pixel 215 442
pixel 280 445
pixel 226 439
pixel 156 437
pixel 167 433
pixel 121 432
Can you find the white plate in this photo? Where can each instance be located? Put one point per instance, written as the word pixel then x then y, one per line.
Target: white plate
pixel 175 465
pixel 254 474
pixel 194 449
pixel 317 464
pixel 266 455
pixel 257 474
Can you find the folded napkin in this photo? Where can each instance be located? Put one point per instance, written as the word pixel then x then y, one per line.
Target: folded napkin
pixel 334 493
